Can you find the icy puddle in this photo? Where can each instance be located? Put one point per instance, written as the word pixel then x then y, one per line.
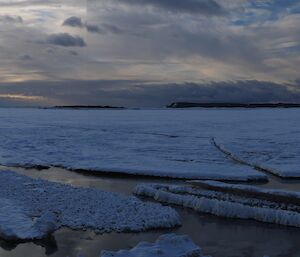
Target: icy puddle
pixel 216 236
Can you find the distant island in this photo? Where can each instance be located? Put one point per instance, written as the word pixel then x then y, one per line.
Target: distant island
pixel 80 107
pixel 233 105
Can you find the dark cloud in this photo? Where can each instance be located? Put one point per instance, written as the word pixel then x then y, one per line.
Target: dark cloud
pixel 74 53
pixel 104 28
pixel 11 19
pixel 112 29
pixel 76 22
pixel 66 40
pixel 138 93
pixel 249 91
pixel 94 29
pixel 206 7
pixel 73 22
pixel 26 57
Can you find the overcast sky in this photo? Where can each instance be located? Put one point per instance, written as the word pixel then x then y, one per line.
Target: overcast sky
pixel 148 52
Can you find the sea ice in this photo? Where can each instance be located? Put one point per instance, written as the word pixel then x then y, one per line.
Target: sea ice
pixel 223 204
pixel 277 195
pixel 164 143
pixel 33 208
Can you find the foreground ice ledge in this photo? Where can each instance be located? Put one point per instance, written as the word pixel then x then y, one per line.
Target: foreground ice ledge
pixel 169 245
pixel 32 208
pixel 223 204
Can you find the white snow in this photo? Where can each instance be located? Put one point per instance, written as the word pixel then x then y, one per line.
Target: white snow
pixel 32 208
pixel 166 143
pixel 223 204
pixel 169 245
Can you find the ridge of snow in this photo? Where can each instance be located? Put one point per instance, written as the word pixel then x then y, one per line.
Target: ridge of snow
pixel 280 169
pixel 227 206
pixel 279 194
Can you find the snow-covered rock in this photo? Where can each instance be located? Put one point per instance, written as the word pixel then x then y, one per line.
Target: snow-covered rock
pixel 169 245
pixel 222 204
pixel 33 208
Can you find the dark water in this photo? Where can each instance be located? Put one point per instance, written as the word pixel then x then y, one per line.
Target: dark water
pixel 218 237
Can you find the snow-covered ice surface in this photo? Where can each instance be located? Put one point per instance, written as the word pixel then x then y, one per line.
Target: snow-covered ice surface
pixel 167 143
pixel 270 141
pixel 32 208
pixel 169 245
pixel 283 164
pixel 223 204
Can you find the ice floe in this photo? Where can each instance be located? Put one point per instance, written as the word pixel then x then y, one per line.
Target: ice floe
pixel 223 204
pixel 33 208
pixel 169 245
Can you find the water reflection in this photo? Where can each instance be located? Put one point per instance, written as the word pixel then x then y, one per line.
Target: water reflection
pixel 47 245
pixel 218 237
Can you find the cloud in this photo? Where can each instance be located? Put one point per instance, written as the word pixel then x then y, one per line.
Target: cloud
pixel 11 19
pixel 206 7
pixel 74 53
pixel 112 28
pixel 73 22
pixel 66 40
pixel 22 97
pixel 93 28
pixel 76 22
pixel 138 93
pixel 156 40
pixel 105 28
pixel 43 3
pixel 248 91
pixel 26 57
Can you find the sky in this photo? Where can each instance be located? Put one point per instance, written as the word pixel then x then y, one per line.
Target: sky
pixel 148 52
